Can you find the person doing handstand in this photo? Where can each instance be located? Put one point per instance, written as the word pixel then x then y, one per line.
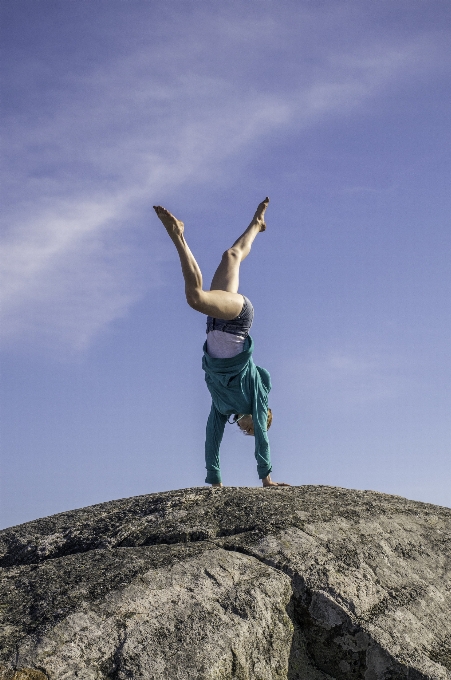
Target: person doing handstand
pixel 237 386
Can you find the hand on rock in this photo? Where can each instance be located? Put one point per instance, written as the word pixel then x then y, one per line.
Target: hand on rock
pixel 268 482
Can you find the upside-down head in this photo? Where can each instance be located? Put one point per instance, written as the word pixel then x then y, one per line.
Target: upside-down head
pixel 246 423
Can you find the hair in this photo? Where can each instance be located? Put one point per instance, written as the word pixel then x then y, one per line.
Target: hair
pixel 269 420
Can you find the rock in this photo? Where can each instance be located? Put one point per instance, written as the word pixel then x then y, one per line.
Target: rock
pixel 308 583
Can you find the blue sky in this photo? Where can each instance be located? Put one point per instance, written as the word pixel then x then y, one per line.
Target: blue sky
pixel 340 112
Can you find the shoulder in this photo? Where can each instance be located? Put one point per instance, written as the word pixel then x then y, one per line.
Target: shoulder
pixel 265 377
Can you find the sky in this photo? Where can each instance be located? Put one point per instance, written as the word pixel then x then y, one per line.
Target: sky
pixel 339 111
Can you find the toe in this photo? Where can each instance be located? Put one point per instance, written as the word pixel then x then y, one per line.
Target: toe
pixel 160 210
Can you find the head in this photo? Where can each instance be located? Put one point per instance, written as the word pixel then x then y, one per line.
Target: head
pixel 246 424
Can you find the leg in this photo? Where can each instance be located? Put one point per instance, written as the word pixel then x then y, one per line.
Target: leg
pixel 227 276
pixel 220 303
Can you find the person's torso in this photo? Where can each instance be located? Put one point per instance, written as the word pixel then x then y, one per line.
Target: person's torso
pixel 233 382
pixel 221 345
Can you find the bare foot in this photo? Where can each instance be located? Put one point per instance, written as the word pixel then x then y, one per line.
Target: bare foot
pixel 217 486
pixel 268 482
pixel 173 226
pixel 259 217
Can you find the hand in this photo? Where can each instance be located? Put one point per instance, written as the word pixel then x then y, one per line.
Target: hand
pixel 268 482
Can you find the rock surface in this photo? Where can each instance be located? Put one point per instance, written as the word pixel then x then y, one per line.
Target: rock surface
pixel 308 583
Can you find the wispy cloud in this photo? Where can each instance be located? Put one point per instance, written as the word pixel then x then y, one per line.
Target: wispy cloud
pixel 86 165
pixel 345 378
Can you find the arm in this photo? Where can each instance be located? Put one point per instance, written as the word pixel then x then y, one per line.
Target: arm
pixel 215 430
pixel 260 418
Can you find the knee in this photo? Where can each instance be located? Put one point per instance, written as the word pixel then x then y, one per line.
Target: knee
pixel 193 298
pixel 232 254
